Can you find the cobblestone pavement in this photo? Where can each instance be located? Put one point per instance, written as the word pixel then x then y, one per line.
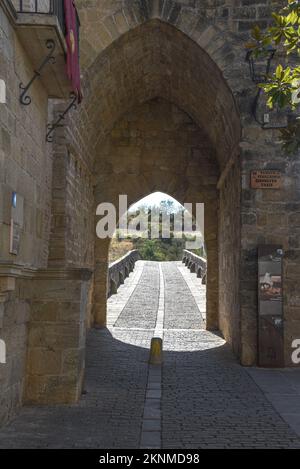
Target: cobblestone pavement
pixel 195 286
pixel 282 389
pixel 109 415
pixel 208 400
pixel 181 310
pixel 141 309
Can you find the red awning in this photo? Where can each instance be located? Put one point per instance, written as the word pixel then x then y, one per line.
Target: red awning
pixel 72 38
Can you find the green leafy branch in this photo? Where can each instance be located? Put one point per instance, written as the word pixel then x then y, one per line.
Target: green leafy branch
pixel 283 86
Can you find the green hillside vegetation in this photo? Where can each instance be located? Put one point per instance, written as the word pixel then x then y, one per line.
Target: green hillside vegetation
pixel 162 249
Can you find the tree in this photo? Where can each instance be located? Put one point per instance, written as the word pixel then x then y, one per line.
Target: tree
pixel 283 86
pixel 167 206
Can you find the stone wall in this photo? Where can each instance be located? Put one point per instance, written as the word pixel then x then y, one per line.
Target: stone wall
pixel 56 341
pixel 13 330
pixel 62 307
pixel 269 217
pixel 72 228
pixel 167 91
pixel 229 258
pixel 26 168
pixel 114 17
pixel 26 162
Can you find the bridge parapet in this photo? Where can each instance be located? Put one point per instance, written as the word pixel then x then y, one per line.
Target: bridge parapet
pixel 196 264
pixel 120 270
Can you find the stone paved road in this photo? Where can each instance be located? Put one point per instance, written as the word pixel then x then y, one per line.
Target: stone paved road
pixel 141 309
pixel 208 400
pixel 179 303
pixel 109 415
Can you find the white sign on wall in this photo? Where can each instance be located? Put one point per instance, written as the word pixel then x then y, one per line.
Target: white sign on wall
pixel 2 352
pixel 2 92
pixel 17 222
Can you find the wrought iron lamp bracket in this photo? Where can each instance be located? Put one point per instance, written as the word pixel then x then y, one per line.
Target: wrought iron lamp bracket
pixel 260 79
pixel 61 117
pixel 25 99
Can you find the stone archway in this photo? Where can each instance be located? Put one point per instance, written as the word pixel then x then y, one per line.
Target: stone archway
pixel 154 62
pixel 157 146
pixel 157 60
pixel 175 57
pixel 196 45
pixel 188 148
pixel 203 24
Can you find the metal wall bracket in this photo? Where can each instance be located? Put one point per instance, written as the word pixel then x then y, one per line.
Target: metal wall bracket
pixel 263 124
pixel 257 79
pixel 61 117
pixel 25 99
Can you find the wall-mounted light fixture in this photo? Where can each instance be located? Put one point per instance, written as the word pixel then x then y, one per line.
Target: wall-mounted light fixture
pixel 259 68
pixel 259 62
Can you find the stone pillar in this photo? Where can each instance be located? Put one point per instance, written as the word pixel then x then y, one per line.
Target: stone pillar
pixel 229 253
pixel 56 340
pixel 212 283
pixel 100 282
pixel 7 284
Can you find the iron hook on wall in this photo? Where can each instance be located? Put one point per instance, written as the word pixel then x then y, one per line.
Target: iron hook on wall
pixel 61 117
pixel 25 99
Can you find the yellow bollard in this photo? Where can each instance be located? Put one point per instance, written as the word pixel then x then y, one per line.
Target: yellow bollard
pixel 156 351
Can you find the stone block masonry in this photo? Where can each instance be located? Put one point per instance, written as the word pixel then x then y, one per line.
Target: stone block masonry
pixel 56 339
pixel 25 168
pixel 200 398
pixel 167 107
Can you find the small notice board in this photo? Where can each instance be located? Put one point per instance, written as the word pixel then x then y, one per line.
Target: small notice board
pixel 266 179
pixel 270 307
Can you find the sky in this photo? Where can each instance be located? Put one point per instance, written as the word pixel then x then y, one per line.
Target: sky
pixel 154 199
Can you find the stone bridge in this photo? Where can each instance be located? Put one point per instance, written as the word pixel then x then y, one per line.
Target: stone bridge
pixel 120 270
pixel 196 264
